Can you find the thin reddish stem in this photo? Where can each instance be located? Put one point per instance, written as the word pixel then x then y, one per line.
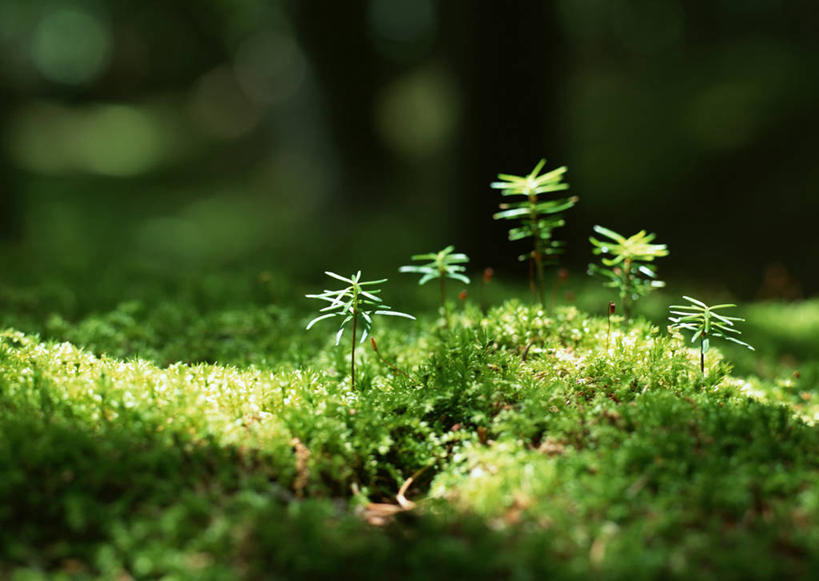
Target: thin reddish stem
pixel 352 354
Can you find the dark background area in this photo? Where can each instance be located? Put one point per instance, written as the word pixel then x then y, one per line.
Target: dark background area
pixel 303 136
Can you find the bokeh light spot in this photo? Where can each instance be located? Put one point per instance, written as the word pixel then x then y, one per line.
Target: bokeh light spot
pixel 220 107
pixel 120 140
pixel 110 140
pixel 417 115
pixel 270 67
pixel 71 46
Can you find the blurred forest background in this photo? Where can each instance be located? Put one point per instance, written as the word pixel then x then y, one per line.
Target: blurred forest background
pixel 304 135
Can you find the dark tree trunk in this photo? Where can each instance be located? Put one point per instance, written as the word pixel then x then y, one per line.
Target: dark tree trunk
pixel 349 73
pixel 10 202
pixel 510 65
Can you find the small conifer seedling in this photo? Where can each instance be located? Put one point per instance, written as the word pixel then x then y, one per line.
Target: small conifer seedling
pixel 628 268
pixel 705 323
pixel 352 303
pixel 441 265
pixel 537 217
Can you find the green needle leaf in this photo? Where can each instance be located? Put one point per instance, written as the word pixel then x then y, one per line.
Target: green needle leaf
pixel 317 319
pixel 338 276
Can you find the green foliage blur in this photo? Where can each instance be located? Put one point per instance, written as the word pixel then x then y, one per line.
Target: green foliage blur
pixel 200 134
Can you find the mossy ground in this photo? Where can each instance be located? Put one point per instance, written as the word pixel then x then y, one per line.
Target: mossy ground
pixel 209 436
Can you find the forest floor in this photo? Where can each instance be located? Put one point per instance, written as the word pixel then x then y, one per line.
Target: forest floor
pixel 201 432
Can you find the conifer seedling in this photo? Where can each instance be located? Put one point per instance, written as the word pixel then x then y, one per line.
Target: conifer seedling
pixel 628 268
pixel 537 217
pixel 353 304
pixel 705 323
pixel 441 265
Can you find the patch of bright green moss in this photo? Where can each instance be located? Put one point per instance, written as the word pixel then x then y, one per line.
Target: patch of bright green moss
pixel 540 447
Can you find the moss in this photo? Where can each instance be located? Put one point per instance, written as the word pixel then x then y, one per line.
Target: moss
pixel 169 438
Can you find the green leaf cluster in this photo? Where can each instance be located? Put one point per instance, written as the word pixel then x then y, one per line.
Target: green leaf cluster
pixel 537 216
pixel 705 323
pixel 442 264
pixel 353 301
pixel 627 267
